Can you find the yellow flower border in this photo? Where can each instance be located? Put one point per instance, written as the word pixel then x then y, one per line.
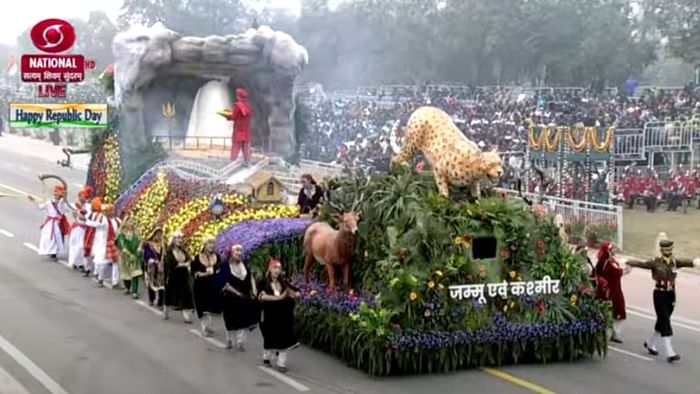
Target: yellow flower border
pixel 113 170
pixel 580 146
pixel 590 136
pixel 607 142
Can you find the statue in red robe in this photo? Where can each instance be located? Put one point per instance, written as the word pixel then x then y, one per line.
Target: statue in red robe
pixel 608 273
pixel 241 115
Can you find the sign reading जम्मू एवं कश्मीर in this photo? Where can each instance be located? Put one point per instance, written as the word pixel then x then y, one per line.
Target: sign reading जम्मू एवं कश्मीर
pixel 58 115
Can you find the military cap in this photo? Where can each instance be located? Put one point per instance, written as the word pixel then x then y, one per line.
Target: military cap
pixel 665 243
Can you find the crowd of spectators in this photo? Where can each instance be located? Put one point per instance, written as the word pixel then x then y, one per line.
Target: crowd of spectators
pixel 360 131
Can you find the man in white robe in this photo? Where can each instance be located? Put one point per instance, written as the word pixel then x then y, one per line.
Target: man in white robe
pixel 55 226
pixel 103 248
pixel 76 244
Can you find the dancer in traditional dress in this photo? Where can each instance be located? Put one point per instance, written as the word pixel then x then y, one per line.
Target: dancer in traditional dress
pixel 155 273
pixel 55 226
pixel 178 284
pixel 104 249
pixel 277 299
pixel 76 249
pixel 664 270
pixel 130 258
pixel 206 297
pixel 94 214
pixel 310 195
pixel 240 307
pixel 608 274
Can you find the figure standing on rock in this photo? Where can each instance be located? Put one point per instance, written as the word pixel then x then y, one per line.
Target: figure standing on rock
pixel 241 115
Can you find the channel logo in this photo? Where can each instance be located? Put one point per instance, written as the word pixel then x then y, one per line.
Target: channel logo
pixel 53 35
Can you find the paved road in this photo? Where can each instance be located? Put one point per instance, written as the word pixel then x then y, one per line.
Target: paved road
pixel 60 334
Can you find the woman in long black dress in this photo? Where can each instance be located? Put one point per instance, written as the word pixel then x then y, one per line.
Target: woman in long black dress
pixel 178 286
pixel 277 299
pixel 206 296
pixel 240 307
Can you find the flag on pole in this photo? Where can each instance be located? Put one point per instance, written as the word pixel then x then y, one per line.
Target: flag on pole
pixel 12 66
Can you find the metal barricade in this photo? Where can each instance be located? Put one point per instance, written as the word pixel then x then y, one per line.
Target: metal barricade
pixel 668 136
pixel 629 144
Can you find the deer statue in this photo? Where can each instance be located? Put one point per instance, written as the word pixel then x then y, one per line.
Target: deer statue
pixel 330 247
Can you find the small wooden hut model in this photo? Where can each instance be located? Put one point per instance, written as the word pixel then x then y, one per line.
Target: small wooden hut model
pixel 265 187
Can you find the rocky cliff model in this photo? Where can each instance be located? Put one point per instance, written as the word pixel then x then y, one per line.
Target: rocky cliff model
pixel 156 65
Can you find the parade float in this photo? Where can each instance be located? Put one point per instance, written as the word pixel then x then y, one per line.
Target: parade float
pixel 439 282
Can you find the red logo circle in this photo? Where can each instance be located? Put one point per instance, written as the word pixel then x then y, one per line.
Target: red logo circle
pixel 53 35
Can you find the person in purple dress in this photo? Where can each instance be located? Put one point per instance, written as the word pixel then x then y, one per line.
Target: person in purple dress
pixel 153 259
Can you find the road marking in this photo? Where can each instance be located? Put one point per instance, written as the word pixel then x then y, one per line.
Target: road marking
pixel 6 233
pixel 20 192
pixel 284 378
pixel 517 381
pixel 680 319
pixel 33 369
pixel 674 324
pixel 213 341
pixel 631 354
pixel 65 264
pixel 31 247
pixel 9 384
pixel 148 307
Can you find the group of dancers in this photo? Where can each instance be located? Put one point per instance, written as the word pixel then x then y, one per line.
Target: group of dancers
pixel 607 274
pixel 103 245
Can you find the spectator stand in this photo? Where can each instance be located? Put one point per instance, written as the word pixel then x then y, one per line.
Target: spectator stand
pixel 578 159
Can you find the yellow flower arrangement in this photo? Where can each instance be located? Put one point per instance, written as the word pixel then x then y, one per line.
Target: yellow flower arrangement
pixel 148 207
pixel 413 296
pixel 441 286
pixel 213 228
pixel 431 284
pixel 113 169
pixel 439 273
pixel 553 145
pixel 605 145
pixel 193 209
pixel 579 146
pixel 512 274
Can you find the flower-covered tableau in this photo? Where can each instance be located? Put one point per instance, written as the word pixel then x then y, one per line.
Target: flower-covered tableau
pixel 105 168
pixel 412 245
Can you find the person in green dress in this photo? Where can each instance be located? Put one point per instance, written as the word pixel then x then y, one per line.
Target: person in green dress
pixel 130 258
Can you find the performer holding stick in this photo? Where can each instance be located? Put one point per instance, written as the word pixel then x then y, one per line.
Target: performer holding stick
pixel 664 270
pixel 55 226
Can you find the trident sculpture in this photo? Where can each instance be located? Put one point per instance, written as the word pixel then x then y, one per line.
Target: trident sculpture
pixel 169 115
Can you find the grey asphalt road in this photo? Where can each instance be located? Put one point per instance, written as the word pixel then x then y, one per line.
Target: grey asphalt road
pixel 89 340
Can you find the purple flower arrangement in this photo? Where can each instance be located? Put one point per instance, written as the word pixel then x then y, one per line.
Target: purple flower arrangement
pixel 502 332
pixel 316 295
pixel 252 234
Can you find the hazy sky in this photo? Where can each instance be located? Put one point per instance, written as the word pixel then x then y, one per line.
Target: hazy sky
pixel 12 24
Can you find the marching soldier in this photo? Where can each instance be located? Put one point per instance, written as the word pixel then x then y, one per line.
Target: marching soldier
pixel 664 270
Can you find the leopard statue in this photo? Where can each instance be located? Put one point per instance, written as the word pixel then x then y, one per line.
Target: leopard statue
pixel 454 159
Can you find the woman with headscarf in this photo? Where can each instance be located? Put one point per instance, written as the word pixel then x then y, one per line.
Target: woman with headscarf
pixel 277 298
pixel 206 296
pixel 241 115
pixel 178 285
pixel 310 195
pixel 608 274
pixel 130 260
pixel 241 311
pixel 153 259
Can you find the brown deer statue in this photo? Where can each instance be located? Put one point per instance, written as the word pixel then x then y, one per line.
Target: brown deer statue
pixel 330 247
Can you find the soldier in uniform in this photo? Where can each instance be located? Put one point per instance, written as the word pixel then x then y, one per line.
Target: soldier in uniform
pixel 664 270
